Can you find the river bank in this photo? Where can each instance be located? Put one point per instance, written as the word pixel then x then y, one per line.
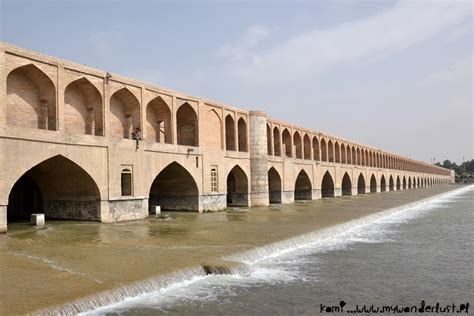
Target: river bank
pixel 65 261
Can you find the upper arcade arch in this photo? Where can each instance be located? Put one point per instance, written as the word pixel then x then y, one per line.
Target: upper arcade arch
pixel 229 133
pixel 307 147
pixel 187 125
pixel 125 110
pixel 337 153
pixel 158 121
pixel 316 149
pixel 330 151
pixel 83 108
pixel 298 145
pixel 343 154
pixel 276 142
pixel 286 139
pixel 269 141
pixel 324 150
pixel 242 135
pixel 31 99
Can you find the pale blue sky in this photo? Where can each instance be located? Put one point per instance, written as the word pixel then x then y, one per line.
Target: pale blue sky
pixel 393 74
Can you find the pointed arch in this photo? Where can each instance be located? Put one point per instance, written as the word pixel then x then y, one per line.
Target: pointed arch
pixel 187 125
pixel 242 133
pixel 327 186
pixel 237 187
pixel 409 183
pixel 349 154
pixel 324 150
pixel 158 121
pixel 399 185
pixel 286 139
pixel 125 110
pixel 274 186
pixel 303 187
pixel 343 153
pixel 83 108
pixel 354 156
pixel 383 184
pixel 276 142
pixel 298 145
pixel 373 184
pixel 346 185
pixel 391 185
pixel 57 187
pixel 229 133
pixel 316 155
pixel 31 99
pixel 361 185
pixel 330 151
pixel 269 141
pixel 307 147
pixel 337 152
pixel 359 157
pixel 404 183
pixel 174 189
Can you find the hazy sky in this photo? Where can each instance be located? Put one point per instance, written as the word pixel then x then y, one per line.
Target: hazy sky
pixel 392 74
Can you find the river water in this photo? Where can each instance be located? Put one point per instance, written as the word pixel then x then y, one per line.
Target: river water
pixel 421 252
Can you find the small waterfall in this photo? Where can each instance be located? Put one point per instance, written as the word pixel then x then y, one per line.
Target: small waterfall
pixel 237 264
pixel 160 283
pixel 221 267
pixel 324 235
pixel 119 294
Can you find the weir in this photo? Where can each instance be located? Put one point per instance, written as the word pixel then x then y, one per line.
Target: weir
pixel 240 264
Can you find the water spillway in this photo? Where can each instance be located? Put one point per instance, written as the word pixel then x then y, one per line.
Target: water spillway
pixel 241 265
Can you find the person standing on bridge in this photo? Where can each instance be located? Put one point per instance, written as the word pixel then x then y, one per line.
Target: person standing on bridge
pixel 137 135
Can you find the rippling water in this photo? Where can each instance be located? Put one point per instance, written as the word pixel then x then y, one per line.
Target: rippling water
pixel 424 252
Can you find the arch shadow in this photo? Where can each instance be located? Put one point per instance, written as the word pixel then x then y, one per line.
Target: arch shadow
pixel 174 189
pixel 237 187
pixel 57 187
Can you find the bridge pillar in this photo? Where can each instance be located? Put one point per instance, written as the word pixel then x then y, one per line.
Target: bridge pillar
pixel 123 209
pixel 355 191
pixel 3 218
pixel 287 197
pixel 259 195
pixel 337 192
pixel 317 194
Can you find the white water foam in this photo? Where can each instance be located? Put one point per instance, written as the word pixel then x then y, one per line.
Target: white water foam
pixel 341 234
pixel 271 263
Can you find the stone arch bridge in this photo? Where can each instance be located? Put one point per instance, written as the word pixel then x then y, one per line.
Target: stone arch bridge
pixel 67 149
